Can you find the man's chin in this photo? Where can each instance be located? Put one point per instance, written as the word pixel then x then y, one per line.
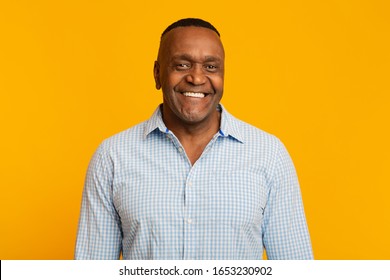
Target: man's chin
pixel 196 117
pixel 192 119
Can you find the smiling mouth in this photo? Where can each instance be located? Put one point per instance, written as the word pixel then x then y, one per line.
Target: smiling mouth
pixel 194 94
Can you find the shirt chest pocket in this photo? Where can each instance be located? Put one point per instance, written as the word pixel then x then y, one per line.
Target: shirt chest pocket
pixel 143 197
pixel 236 197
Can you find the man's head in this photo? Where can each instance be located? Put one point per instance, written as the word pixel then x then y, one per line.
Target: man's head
pixel 190 71
pixel 190 22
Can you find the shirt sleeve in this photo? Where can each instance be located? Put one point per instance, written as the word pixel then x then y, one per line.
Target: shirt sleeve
pixel 99 233
pixel 285 232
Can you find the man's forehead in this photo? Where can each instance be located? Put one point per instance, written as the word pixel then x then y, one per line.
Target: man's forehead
pixel 188 31
pixel 186 39
pixel 190 35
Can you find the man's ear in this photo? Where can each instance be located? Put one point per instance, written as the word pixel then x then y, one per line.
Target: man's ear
pixel 156 72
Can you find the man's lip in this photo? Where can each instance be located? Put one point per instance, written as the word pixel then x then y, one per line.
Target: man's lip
pixel 194 94
pixel 191 91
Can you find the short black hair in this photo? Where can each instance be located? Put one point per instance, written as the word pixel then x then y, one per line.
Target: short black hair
pixel 190 22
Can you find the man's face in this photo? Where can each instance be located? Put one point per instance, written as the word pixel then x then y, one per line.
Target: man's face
pixel 190 70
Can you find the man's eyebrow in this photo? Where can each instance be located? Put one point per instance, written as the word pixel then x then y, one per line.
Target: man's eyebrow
pixel 181 56
pixel 208 58
pixel 211 58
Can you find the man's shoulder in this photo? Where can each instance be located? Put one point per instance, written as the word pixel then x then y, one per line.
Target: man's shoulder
pixel 259 146
pixel 129 136
pixel 252 134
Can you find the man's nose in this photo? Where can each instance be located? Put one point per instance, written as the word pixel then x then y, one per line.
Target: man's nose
pixel 196 76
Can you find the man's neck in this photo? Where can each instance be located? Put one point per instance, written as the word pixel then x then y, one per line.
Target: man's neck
pixel 194 137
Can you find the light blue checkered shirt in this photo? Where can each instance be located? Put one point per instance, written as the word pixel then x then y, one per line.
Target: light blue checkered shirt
pixel 143 198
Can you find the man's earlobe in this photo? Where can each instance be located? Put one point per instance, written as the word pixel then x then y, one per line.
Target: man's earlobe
pixel 156 72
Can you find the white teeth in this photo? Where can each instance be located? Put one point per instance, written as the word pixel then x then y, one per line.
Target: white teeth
pixel 194 94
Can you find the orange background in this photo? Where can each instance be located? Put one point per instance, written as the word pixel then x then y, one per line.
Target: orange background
pixel 314 73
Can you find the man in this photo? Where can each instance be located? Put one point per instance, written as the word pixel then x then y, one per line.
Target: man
pixel 192 182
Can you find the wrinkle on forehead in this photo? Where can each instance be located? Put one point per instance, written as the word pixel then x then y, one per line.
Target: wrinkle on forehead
pixel 173 37
pixel 186 56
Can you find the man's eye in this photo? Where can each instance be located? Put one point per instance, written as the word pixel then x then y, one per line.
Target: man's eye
pixel 182 66
pixel 211 67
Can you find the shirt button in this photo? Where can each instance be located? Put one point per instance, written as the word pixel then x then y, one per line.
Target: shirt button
pixel 189 184
pixel 189 221
pixel 180 150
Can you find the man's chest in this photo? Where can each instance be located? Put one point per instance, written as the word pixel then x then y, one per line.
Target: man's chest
pixel 169 191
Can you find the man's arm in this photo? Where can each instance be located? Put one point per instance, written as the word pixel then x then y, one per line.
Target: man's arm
pixel 285 233
pixel 99 233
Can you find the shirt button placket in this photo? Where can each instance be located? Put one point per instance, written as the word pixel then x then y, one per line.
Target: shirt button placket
pixel 188 218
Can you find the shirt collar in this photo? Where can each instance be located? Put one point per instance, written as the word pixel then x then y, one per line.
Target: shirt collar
pixel 155 122
pixel 229 124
